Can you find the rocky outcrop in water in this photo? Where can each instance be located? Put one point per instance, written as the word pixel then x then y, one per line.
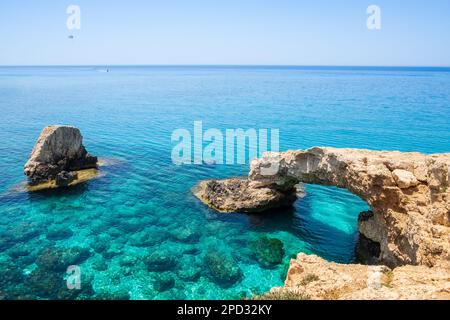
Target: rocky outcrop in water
pixel 239 195
pixel 408 194
pixel 58 152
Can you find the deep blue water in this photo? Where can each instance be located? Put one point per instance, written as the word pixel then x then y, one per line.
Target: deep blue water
pixel 143 204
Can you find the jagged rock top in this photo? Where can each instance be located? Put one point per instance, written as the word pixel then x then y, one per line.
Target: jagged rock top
pixel 58 148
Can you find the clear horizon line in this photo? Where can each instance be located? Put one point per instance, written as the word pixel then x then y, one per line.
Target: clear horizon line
pixel 224 65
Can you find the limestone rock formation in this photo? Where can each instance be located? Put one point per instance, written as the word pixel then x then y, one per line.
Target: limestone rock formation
pixel 408 194
pixel 59 149
pixel 311 277
pixel 239 195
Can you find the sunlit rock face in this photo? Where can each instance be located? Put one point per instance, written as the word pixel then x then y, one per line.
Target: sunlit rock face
pixel 311 277
pixel 59 149
pixel 408 193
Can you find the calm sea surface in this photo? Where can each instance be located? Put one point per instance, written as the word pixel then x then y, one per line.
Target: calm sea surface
pixel 142 214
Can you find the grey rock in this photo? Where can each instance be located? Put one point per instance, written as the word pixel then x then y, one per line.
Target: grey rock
pixel 64 178
pixel 59 148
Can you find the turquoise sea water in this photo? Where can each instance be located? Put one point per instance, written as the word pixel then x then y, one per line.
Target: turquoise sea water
pixel 142 208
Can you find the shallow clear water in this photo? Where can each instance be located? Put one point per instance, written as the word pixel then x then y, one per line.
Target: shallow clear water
pixel 144 205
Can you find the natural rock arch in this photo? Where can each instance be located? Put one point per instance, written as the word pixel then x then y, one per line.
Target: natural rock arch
pixel 407 192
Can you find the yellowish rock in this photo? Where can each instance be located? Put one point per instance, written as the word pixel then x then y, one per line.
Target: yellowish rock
pixel 404 179
pixel 82 176
pixel 312 277
pixel 405 209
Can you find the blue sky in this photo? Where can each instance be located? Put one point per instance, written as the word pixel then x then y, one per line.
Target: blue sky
pixel 285 32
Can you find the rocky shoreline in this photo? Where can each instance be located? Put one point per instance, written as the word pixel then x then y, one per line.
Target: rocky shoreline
pixel 408 193
pixel 404 240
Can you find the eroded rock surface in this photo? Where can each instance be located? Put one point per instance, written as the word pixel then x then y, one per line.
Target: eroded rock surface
pixel 311 277
pixel 240 195
pixel 408 194
pixel 59 149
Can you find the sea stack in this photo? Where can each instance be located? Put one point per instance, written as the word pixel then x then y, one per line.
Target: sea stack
pixel 57 155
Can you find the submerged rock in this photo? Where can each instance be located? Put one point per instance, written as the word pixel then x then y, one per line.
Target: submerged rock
pixel 11 275
pixel 44 283
pixel 185 235
pixel 163 282
pixel 268 251
pixel 240 195
pixel 23 232
pixel 222 268
pixel 191 250
pixel 112 252
pixel 148 238
pixel 128 261
pixel 100 244
pixel 59 234
pixel 130 227
pixel 100 265
pixel 190 273
pixel 190 268
pixel 58 259
pixel 58 151
pixel 48 280
pixel 18 252
pixel 160 261
pixel 52 285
